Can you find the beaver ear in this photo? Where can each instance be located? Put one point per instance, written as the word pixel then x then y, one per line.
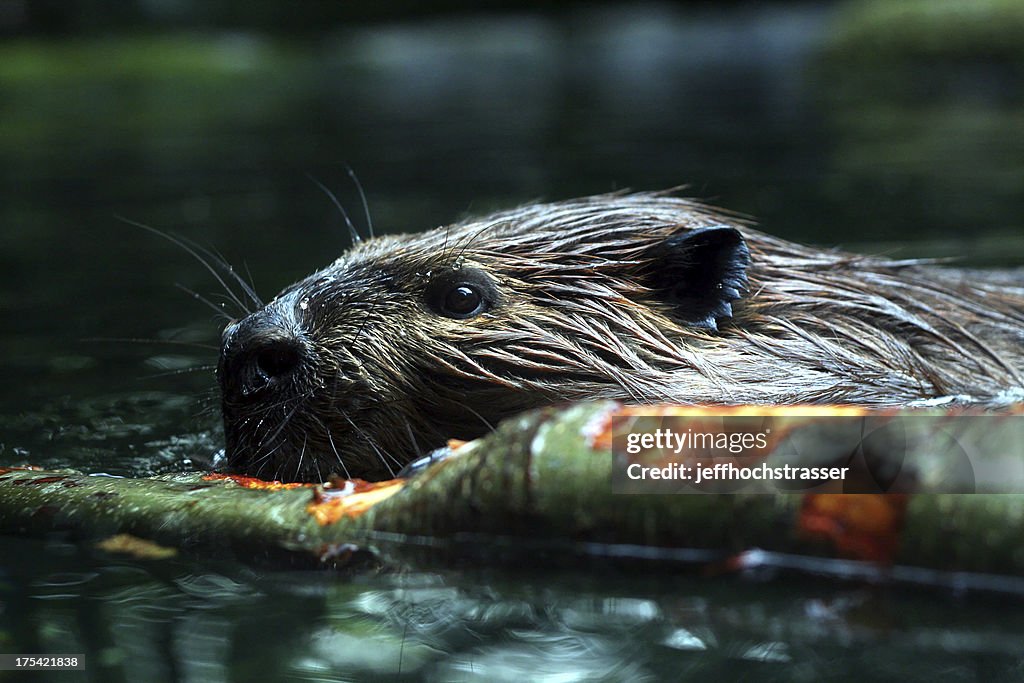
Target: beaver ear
pixel 701 272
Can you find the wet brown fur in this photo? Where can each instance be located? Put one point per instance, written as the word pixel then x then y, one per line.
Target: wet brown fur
pixel 387 378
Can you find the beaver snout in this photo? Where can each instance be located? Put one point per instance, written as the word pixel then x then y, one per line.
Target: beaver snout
pixel 259 354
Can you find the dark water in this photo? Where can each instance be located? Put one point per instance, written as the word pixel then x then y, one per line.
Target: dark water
pixel 212 136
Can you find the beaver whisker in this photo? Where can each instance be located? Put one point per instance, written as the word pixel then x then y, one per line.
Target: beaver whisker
pixel 362 198
pixel 207 406
pixel 302 455
pixel 219 310
pixel 320 427
pixel 179 371
pixel 467 243
pixel 226 267
pixel 334 449
pixel 299 401
pixel 465 406
pixel 352 232
pixel 412 438
pixel 382 456
pixel 193 250
pixel 247 286
pixel 283 423
pixel 265 411
pixel 264 460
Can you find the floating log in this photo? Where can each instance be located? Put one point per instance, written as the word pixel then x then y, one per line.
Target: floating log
pixel 543 483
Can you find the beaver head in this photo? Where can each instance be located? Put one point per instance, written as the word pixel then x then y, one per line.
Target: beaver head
pixel 406 341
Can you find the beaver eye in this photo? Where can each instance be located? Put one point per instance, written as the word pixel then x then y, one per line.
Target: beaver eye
pixel 461 293
pixel 463 301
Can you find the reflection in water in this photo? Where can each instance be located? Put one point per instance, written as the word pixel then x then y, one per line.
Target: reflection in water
pixel 173 622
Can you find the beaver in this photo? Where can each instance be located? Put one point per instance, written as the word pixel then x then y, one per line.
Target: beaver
pixel 406 341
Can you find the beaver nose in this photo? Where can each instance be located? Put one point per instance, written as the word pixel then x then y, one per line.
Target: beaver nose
pixel 258 354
